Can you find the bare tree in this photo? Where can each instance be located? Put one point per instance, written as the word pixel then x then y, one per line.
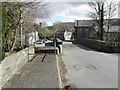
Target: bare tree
pixel 102 9
pixel 110 13
pixel 26 15
pixel 98 15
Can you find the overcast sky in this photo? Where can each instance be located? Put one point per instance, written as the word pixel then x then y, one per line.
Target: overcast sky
pixel 67 11
pixel 63 10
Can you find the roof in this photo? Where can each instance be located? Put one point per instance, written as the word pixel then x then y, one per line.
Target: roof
pixel 114 24
pixel 84 23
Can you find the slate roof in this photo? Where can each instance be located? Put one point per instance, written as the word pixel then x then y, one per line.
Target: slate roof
pixel 114 24
pixel 84 23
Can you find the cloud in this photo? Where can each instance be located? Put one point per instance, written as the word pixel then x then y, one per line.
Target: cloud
pixel 79 12
pixel 66 0
pixel 70 11
pixel 75 4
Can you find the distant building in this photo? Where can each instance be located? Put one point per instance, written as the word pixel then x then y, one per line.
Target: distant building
pixel 31 37
pixel 114 31
pixel 82 29
pixel 89 29
pixel 63 35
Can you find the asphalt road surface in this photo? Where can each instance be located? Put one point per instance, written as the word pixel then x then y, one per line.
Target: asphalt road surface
pixel 87 68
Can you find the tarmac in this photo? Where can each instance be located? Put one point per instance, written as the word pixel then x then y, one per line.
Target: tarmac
pixel 41 72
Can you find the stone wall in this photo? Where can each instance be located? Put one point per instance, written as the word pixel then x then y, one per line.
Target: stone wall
pixel 112 36
pixel 59 45
pixel 11 64
pixel 98 45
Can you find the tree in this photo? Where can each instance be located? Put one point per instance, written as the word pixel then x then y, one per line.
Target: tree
pixel 1 31
pixel 98 15
pixel 21 7
pixel 19 14
pixel 110 13
pixel 49 33
pixel 59 26
pixel 13 16
pixel 4 31
pixel 41 29
pixel 101 9
pixel 31 11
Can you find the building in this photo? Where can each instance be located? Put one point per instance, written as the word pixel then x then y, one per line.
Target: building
pixel 63 35
pixel 113 34
pixel 82 29
pixel 31 37
pixel 89 29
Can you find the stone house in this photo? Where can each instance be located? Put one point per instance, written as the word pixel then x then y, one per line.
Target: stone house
pixel 82 29
pixel 63 35
pixel 114 31
pixel 89 29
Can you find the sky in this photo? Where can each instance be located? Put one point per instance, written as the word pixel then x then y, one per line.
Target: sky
pixel 64 11
pixel 67 11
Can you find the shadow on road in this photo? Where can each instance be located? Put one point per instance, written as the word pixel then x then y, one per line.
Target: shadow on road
pixel 85 48
pixel 89 49
pixel 49 44
pixel 67 40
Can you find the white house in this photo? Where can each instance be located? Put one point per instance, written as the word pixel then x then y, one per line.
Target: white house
pixel 63 35
pixel 31 37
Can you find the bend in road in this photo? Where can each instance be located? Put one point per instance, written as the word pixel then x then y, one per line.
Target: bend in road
pixel 87 68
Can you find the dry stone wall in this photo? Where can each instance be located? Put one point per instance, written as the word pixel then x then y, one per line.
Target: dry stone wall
pixel 11 64
pixel 98 45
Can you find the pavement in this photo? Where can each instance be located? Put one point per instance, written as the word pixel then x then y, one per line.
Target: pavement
pixel 87 68
pixel 41 72
pixel 40 45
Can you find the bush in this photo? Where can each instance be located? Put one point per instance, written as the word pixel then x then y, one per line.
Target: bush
pixel 113 43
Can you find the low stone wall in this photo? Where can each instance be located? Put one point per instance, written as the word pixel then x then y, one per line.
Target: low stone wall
pixel 11 64
pixel 98 45
pixel 59 45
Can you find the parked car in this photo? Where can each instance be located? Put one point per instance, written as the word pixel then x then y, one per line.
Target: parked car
pixel 39 42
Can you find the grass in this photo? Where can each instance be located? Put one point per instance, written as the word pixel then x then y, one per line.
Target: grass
pixel 113 43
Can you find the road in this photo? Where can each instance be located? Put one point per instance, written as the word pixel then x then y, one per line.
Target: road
pixel 87 68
